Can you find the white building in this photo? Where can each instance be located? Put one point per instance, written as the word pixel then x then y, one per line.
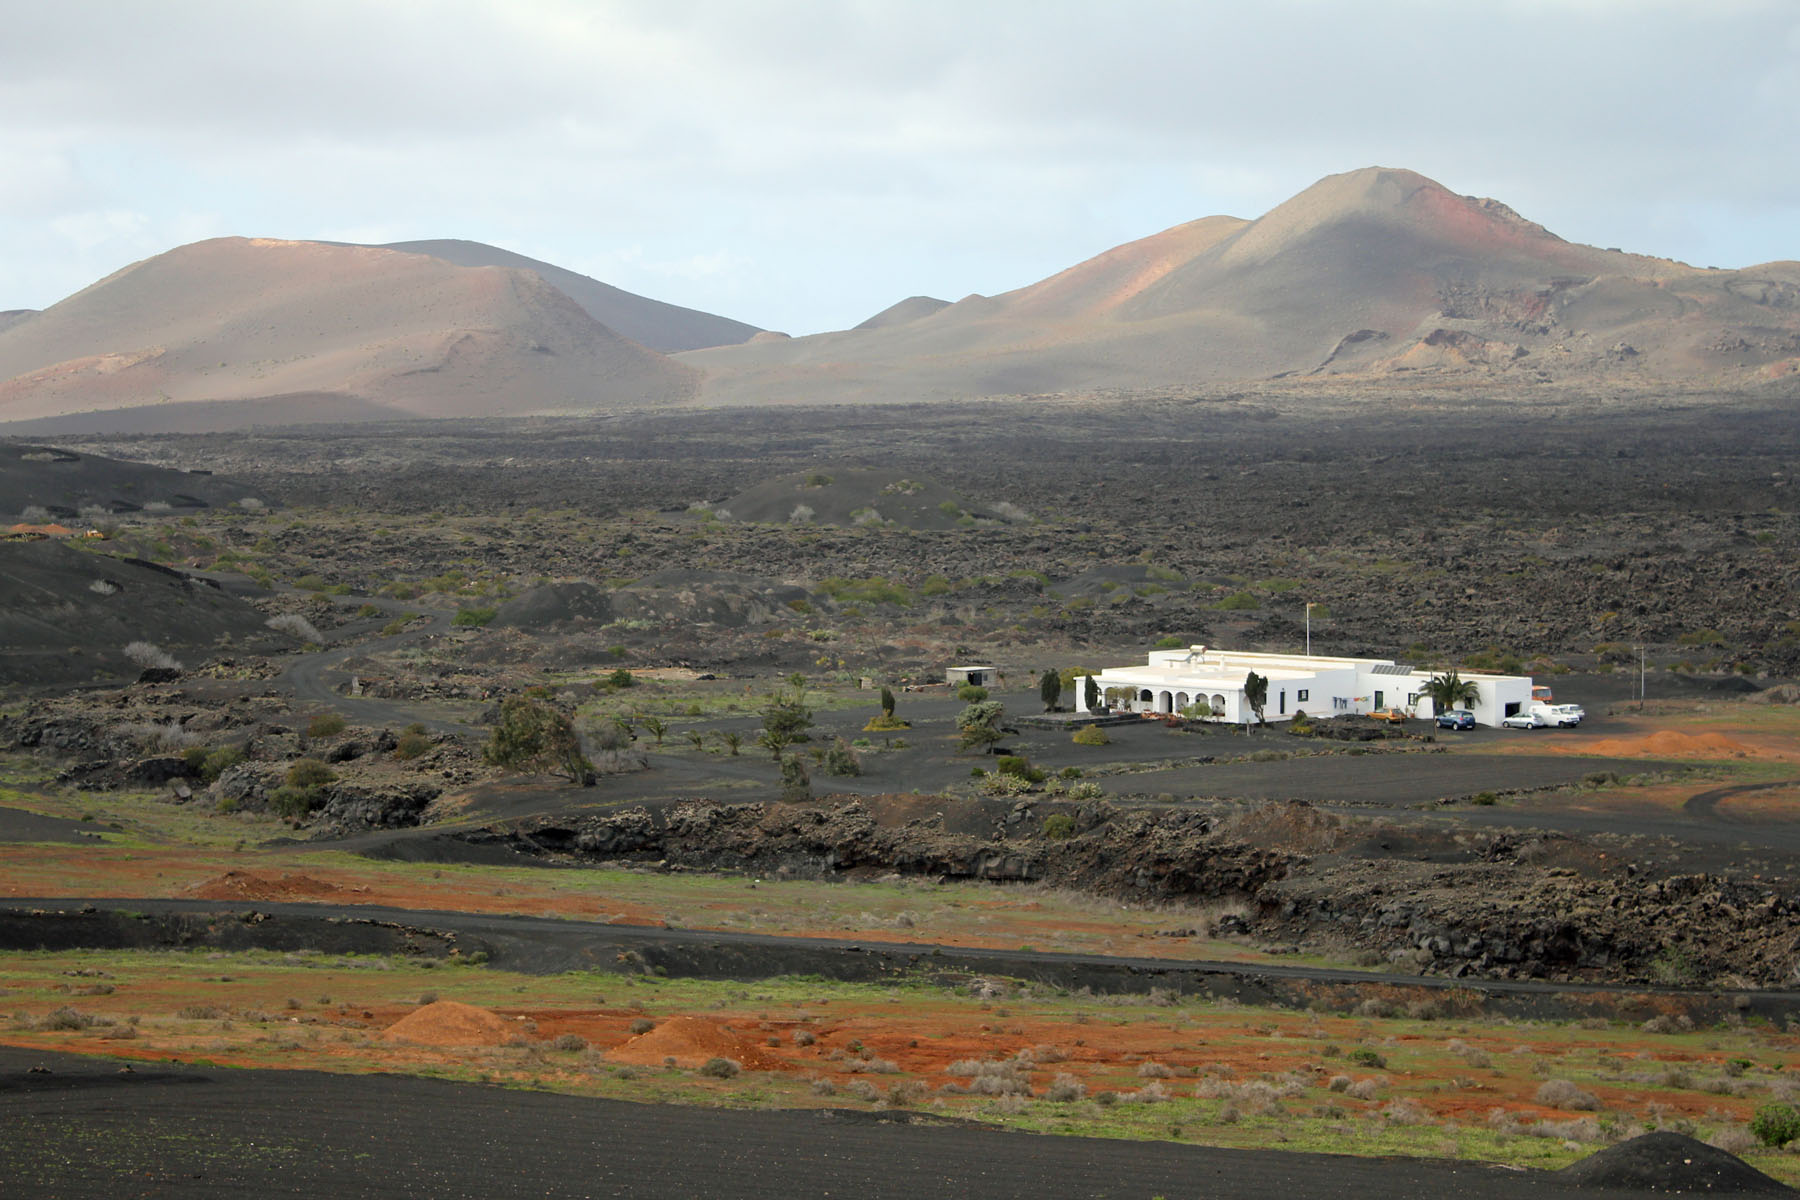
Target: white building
pixel 1314 684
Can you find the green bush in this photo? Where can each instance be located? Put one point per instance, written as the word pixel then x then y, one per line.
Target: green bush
pixel 411 746
pixel 971 693
pixel 1172 642
pixel 840 759
pixel 219 761
pixel 1238 602
pixel 1019 767
pixel 1091 735
pixel 309 773
pixel 327 724
pixel 294 803
pixel 1776 1125
pixel 473 617
pixel 1059 827
pixel 620 678
pixel 1364 1057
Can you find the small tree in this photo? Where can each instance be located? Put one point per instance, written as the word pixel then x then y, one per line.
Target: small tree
pixel 786 720
pixel 1091 693
pixel 1448 690
pixel 887 702
pixel 979 725
pixel 535 735
pixel 1050 690
pixel 1256 694
pixel 656 727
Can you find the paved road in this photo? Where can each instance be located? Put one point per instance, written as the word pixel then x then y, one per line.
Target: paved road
pixel 544 945
pixel 83 1131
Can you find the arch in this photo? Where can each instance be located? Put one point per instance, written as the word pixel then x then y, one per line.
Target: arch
pixel 1181 701
pixel 1164 702
pixel 1144 697
pixel 1218 705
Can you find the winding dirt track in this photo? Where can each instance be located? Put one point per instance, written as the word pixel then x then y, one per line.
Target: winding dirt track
pixel 84 1130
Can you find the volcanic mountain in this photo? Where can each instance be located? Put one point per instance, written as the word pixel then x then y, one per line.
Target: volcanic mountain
pixel 1372 274
pixel 662 327
pixel 236 331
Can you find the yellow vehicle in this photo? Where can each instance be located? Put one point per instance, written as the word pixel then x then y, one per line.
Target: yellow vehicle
pixel 1396 715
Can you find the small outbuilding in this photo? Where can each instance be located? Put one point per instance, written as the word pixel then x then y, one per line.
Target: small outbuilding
pixel 978 676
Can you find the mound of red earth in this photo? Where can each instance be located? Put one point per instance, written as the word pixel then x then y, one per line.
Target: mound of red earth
pixel 1670 1164
pixel 246 885
pixel 449 1023
pixel 690 1042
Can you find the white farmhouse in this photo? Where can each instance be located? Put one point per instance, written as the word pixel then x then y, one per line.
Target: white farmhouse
pixel 1314 684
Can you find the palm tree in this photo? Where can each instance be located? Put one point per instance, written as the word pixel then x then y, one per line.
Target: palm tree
pixel 1448 690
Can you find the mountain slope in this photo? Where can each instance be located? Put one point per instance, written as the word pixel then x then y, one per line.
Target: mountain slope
pixel 663 327
pixel 263 331
pixel 1368 275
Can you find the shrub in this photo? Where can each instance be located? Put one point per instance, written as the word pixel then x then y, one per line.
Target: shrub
pixel 474 617
pixel 840 759
pixel 328 724
pixel 220 761
pixel 1091 735
pixel 411 745
pixel 1365 1057
pixel 1059 827
pixel 309 773
pixel 618 678
pixel 642 1025
pixel 1560 1093
pixel 1238 602
pixel 148 655
pixel 295 626
pixel 1776 1124
pixel 1065 1089
pixel 569 1041
pixel 971 693
pixel 720 1068
pixel 1019 767
pixel 294 803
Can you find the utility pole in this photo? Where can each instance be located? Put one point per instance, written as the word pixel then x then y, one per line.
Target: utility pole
pixel 1309 608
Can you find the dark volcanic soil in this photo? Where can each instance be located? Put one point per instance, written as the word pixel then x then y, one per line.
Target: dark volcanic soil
pixel 82 1129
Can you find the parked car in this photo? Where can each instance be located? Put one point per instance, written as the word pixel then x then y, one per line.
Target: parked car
pixel 1527 720
pixel 1456 718
pixel 1396 715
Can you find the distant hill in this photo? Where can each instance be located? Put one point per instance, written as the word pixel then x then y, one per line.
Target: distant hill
pixel 257 331
pixel 1374 274
pixel 664 327
pixel 14 316
pixel 906 311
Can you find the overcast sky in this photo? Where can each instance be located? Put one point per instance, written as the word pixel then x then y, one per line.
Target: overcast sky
pixel 801 165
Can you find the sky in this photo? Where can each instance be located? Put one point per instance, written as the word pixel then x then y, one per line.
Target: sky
pixel 802 164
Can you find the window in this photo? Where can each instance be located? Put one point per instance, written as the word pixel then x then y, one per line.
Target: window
pixel 1380 699
pixel 1303 695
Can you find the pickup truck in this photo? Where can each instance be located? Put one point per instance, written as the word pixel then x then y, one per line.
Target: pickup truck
pixel 1396 715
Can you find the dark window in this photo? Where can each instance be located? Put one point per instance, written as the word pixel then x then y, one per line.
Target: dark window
pixel 1379 698
pixel 1304 694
